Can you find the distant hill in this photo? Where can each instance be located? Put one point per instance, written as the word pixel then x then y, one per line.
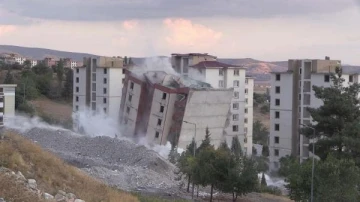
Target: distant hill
pixel 256 68
pixel 41 53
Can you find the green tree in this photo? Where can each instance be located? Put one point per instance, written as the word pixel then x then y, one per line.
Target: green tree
pixel 259 98
pixel 41 69
pixel 60 75
pixel 286 164
pixel 334 180
pixel 263 180
pixel 186 162
pixel 236 148
pixel 265 109
pixel 265 151
pixel 206 142
pixel 27 64
pixel 9 79
pixel 67 92
pixel 260 133
pixel 337 120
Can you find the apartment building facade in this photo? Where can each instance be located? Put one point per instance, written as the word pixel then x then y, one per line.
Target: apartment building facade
pixel 98 85
pixel 224 76
pixel 7 102
pixel 291 94
pixel 155 105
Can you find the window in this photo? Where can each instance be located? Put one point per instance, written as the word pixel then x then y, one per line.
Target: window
pixel 276 152
pixel 277 102
pixel 235 117
pixel 126 120
pixel 128 110
pixel 93 96
pixel 245 120
pixel 77 70
pixel 104 100
pixel 112 63
pixel 236 72
pixel 77 98
pixel 276 140
pixel 104 90
pixel 77 79
pixel 123 71
pixel 162 109
pixel 104 110
pixel 221 72
pixel 77 108
pixel 236 94
pixel 130 98
pixel 236 83
pixel 278 77
pixel 245 140
pixel 105 70
pixel 246 110
pixel 235 128
pixel 277 115
pixel 157 134
pixel 159 122
pixel 299 96
pixel 326 78
pixel 221 84
pixel 235 105
pixel 94 87
pixel 132 85
pixel 164 96
pixel 300 70
pixel 246 100
pixel 277 89
pixel 246 81
pixel 77 89
pixel 351 79
pixel 94 77
pixel 277 127
pixel 246 91
pixel 245 130
pixel 93 106
pixel 105 81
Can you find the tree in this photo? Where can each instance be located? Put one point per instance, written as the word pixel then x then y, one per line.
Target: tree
pixel 60 75
pixel 125 60
pixel 173 155
pixel 337 120
pixel 236 148
pixel 334 180
pixel 9 79
pixel 68 86
pixel 265 109
pixel 41 69
pixel 265 151
pixel 260 133
pixel 259 98
pixel 186 162
pixel 130 61
pixel 206 142
pixel 263 180
pixel 27 64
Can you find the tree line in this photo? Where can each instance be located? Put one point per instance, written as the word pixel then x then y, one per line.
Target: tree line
pixel 55 83
pixel 225 169
pixel 337 135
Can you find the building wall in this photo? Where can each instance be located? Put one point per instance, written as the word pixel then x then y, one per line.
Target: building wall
pixel 7 101
pixel 115 86
pixel 205 108
pixel 79 98
pixel 248 114
pixel 284 110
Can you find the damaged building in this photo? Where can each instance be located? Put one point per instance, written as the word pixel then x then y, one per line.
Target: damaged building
pixel 164 107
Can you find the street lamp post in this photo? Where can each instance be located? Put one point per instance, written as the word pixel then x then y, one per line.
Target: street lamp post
pixel 193 187
pixel 313 163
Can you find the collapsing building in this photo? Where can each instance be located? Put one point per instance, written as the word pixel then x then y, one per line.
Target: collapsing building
pixel 164 107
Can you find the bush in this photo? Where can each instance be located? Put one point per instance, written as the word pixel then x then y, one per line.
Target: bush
pixel 26 108
pixel 270 190
pixel 265 109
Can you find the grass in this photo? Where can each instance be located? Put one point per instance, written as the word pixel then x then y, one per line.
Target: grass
pixel 51 173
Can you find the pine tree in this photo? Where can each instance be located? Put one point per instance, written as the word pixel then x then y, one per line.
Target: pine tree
pixel 9 79
pixel 236 147
pixel 206 141
pixel 263 180
pixel 337 120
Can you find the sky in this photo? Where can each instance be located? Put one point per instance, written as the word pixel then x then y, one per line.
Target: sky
pixel 269 30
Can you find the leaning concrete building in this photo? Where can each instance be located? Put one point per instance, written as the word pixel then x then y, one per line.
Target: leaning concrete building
pixel 163 107
pixel 7 102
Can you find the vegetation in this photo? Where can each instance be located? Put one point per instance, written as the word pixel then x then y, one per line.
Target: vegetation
pixel 51 173
pixel 227 169
pixel 337 126
pixel 260 133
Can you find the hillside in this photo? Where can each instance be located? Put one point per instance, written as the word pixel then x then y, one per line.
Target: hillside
pixel 256 68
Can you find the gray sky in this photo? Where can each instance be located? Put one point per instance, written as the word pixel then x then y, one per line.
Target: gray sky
pixel 261 29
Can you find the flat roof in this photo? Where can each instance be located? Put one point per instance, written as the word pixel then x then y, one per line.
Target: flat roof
pixel 8 85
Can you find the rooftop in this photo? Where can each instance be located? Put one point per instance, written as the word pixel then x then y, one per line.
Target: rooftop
pixel 215 64
pixel 192 54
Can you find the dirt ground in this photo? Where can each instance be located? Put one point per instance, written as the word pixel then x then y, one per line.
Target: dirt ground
pixel 59 110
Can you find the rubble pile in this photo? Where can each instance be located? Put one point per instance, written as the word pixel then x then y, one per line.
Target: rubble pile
pixel 118 162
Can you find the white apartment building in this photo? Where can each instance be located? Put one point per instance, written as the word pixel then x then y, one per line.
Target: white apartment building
pixel 222 76
pixel 98 85
pixel 7 101
pixel 291 93
pixel 20 60
pixel 73 64
pixel 34 63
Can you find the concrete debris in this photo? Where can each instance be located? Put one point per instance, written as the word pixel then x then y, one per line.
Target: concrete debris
pixel 48 196
pixel 20 176
pixel 32 184
pixel 117 162
pixel 79 200
pixel 2 200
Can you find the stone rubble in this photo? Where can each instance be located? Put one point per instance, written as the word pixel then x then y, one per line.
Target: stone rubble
pixel 117 162
pixel 31 184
